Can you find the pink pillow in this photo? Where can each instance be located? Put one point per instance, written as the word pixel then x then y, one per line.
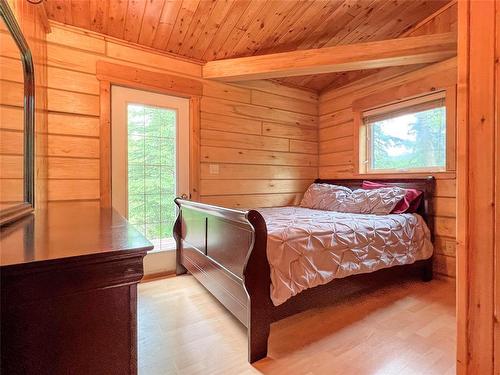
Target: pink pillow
pixel 409 203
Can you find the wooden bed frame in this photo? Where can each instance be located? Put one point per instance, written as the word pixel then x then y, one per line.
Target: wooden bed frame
pixel 225 250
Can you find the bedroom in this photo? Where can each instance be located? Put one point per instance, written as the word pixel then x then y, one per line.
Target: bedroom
pixel 237 108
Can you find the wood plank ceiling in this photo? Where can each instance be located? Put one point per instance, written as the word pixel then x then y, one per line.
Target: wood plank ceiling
pixel 209 30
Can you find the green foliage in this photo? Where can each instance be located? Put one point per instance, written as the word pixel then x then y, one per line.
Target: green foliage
pixel 423 147
pixel 151 170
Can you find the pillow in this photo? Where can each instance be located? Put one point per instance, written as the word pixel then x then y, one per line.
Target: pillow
pixel 323 196
pixel 410 202
pixel 375 201
pixel 342 199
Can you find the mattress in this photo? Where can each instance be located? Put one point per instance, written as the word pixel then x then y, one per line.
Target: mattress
pixel 307 247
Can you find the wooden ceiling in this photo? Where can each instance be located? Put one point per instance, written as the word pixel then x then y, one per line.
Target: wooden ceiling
pixel 218 29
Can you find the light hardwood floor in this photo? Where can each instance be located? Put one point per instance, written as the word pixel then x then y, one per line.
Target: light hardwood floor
pixel 407 329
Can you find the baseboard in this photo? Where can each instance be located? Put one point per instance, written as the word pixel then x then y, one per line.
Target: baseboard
pixel 157 276
pixel 159 262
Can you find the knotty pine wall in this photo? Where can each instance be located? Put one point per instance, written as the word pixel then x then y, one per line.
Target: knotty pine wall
pixel 263 143
pixel 258 141
pixel 478 278
pixel 337 136
pixel 11 105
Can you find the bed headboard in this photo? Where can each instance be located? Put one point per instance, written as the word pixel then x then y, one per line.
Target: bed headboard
pixel 425 184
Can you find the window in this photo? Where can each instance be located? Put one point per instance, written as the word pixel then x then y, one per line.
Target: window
pixel 408 136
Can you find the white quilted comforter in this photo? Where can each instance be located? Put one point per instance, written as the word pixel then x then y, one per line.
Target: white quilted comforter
pixel 307 247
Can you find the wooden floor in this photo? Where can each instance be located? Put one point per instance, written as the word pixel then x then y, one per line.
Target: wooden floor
pixel 403 329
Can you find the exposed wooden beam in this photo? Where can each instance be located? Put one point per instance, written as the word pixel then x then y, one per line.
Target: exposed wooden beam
pixel 385 53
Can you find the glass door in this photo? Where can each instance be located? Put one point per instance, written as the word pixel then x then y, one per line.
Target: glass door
pixel 150 160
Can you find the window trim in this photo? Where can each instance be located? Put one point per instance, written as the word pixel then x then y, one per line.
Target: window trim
pixel 361 144
pixel 109 74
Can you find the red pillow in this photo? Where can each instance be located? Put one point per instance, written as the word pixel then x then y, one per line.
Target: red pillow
pixel 409 203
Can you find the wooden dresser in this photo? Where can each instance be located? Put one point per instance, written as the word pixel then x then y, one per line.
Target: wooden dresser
pixel 69 279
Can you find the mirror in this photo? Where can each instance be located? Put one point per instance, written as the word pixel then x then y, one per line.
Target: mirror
pixel 16 120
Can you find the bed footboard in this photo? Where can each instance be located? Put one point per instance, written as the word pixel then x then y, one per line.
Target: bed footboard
pixel 225 250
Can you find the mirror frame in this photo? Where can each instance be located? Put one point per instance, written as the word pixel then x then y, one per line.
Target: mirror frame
pixel 22 209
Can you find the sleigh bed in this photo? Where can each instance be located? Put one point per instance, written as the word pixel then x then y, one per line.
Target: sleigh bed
pixel 226 251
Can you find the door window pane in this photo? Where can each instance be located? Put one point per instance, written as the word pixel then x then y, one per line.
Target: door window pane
pixel 152 172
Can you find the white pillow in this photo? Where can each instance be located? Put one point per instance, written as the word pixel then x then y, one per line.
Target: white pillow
pixel 342 199
pixel 376 201
pixel 323 196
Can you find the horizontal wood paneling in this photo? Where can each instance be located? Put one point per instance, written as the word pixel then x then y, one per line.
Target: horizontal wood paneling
pixel 258 141
pixel 258 144
pixel 75 168
pixel 223 91
pixel 291 132
pixel 71 124
pixel 253 201
pixel 72 102
pixel 213 105
pixel 444 226
pixel 337 144
pixel 231 187
pixel 11 142
pixel 278 89
pixel 247 141
pixel 11 190
pixel 445 246
pixel 12 118
pixel 12 166
pixel 11 93
pixel 304 147
pixel 62 145
pixel 235 171
pixel 336 158
pixel 336 131
pixel 336 118
pixel 12 69
pixel 72 81
pixel 445 206
pixel 445 265
pixel 60 190
pixel 285 103
pixel 71 59
pixel 222 122
pixel 240 156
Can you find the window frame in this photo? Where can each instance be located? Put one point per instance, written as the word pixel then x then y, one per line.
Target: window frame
pixel 362 143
